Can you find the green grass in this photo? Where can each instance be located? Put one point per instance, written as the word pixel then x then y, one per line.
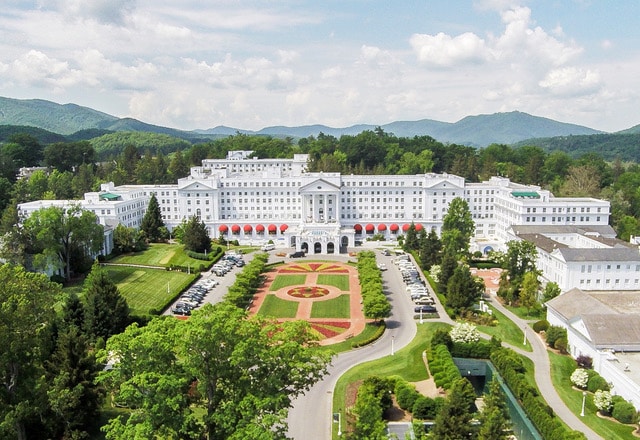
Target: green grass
pixel 339 281
pixel 523 313
pixel 506 330
pixel 287 280
pixel 160 254
pixel 146 289
pixel 332 308
pixel 275 307
pixel 406 363
pixel 561 369
pixel 368 332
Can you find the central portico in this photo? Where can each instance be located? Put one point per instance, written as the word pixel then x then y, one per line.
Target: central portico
pixel 320 231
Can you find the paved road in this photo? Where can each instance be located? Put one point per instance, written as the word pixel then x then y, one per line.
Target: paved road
pixel 310 417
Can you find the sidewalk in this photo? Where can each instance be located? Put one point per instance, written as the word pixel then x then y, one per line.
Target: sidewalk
pixel 540 358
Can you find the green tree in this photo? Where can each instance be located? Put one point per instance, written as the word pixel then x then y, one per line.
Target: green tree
pixel 68 156
pixel 178 167
pixel 494 419
pixel 106 310
pixel 60 184
pixel 152 224
pixel 463 289
pixel 551 290
pixel 247 372
pixel 411 240
pixel 453 420
pixel 127 239
pixel 73 396
pixel 458 219
pixel 195 236
pixel 529 291
pixel 55 233
pixel 27 301
pixel 519 259
pixel 430 249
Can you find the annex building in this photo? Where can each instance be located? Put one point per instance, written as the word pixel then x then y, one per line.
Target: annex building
pixel 257 200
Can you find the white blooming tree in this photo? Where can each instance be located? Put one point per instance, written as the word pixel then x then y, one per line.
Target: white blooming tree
pixel 602 400
pixel 464 332
pixel 435 273
pixel 580 377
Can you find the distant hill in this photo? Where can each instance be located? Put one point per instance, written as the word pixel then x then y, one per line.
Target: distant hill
pixel 620 145
pixel 478 131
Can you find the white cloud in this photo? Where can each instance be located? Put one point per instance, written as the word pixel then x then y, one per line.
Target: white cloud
pixel 445 51
pixel 571 81
pixel 103 11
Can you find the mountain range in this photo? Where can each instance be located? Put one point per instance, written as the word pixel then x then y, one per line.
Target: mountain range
pixel 479 130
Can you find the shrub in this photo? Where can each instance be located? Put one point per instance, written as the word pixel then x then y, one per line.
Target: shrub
pixel 406 396
pixel 441 337
pixel 464 332
pixel 602 400
pixel 541 326
pixel 477 350
pixel 554 333
pixel 561 344
pixel 580 377
pixel 584 361
pixel 623 411
pixel 596 382
pixel 425 408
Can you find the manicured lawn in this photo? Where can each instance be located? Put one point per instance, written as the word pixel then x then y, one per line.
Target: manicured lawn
pixel 287 280
pixel 523 312
pixel 160 254
pixel 368 332
pixel 275 307
pixel 339 281
pixel 332 308
pixel 506 330
pixel 406 363
pixel 561 369
pixel 146 289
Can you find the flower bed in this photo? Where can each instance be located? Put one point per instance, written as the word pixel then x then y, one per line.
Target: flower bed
pixel 308 292
pixel 329 329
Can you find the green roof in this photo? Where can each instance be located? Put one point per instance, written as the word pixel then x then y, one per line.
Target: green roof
pixel 527 194
pixel 109 196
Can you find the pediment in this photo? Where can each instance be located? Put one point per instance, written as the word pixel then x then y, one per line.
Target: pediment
pixel 444 184
pixel 319 186
pixel 195 185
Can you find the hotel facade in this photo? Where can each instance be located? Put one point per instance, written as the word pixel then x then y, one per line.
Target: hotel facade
pixel 257 200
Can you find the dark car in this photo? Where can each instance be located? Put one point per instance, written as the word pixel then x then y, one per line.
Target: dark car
pixel 425 309
pixel 181 311
pixel 297 254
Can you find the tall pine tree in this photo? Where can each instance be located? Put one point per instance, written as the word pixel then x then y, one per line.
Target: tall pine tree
pixel 453 420
pixel 107 312
pixel 494 419
pixel 152 224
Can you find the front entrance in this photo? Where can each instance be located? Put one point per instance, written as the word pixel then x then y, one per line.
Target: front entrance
pixel 330 248
pixel 317 248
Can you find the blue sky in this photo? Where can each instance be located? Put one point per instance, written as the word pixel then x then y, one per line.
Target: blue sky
pixel 250 64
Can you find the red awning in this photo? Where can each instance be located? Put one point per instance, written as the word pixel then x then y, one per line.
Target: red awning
pixel 283 228
pixel 357 227
pixel 394 227
pixel 405 227
pixel 223 229
pixel 235 229
pixel 248 228
pixel 369 228
pixel 418 227
pixel 382 227
pixel 272 229
pixel 259 228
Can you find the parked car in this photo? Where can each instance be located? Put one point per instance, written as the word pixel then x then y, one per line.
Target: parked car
pixel 382 266
pixel 297 254
pixel 181 311
pixel 425 309
pixel 425 301
pixel 386 252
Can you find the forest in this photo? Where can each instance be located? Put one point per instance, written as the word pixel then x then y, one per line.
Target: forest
pixel 76 167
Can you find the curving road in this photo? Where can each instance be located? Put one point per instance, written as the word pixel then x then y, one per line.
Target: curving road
pixel 311 415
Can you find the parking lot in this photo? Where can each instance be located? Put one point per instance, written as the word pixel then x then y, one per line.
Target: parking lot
pixel 211 287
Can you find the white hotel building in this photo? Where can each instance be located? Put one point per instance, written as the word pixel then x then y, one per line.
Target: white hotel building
pixel 256 200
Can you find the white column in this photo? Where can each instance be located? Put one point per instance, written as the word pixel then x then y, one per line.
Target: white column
pixel 325 207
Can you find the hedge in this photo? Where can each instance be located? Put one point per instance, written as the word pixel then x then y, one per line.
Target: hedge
pixel 541 415
pixel 623 411
pixel 442 367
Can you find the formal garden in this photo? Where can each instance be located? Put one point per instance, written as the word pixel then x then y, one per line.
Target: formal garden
pixel 315 291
